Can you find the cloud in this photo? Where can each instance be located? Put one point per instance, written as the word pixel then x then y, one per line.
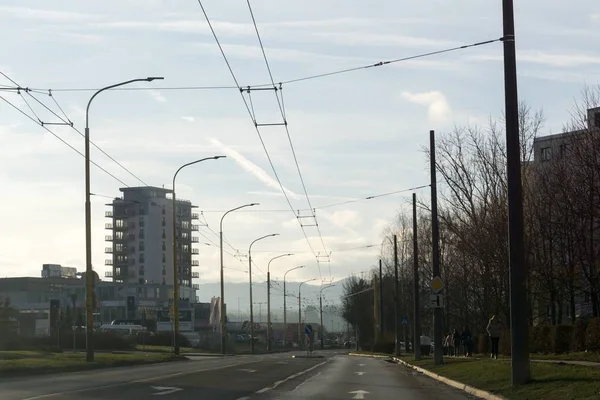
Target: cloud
pixel 46 15
pixel 189 119
pixel 183 26
pixel 157 96
pixel 252 168
pixel 437 105
pixel 368 39
pixel 347 218
pixel 559 60
pixel 595 17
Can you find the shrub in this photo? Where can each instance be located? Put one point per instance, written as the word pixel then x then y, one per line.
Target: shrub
pixel 164 339
pixel 483 343
pixel 561 338
pixel 504 346
pixel 384 346
pixel 578 337
pixel 539 337
pixel 592 335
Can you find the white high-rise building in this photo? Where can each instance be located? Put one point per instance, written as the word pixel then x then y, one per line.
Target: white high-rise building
pixel 142 237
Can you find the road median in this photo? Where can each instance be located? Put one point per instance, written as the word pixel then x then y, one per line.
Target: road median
pixel 25 363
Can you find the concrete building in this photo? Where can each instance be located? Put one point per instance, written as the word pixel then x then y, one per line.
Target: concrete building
pixel 141 238
pixel 58 271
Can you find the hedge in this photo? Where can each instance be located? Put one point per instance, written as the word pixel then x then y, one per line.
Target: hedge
pixel 578 337
pixel 592 335
pixel 560 340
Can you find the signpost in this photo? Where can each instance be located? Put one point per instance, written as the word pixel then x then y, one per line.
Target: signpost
pixel 436 300
pixel 308 330
pixel 437 285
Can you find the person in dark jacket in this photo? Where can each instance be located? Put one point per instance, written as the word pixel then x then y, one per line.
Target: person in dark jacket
pixel 467 339
pixel 494 329
pixel 456 342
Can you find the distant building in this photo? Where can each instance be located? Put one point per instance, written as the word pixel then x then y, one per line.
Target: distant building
pixel 551 147
pixel 58 271
pixel 141 238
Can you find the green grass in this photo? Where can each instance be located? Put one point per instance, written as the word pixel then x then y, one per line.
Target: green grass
pixel 549 381
pixel 36 362
pixel 165 349
pixel 580 356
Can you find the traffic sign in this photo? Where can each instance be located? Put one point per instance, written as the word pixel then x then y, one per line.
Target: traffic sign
pixel 437 300
pixel 308 329
pixel 437 285
pixel 404 320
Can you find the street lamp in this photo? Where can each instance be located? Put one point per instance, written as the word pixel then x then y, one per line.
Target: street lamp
pixel 221 307
pixel 285 307
pixel 89 279
pixel 175 270
pixel 321 311
pixel 250 277
pixel 269 298
pixel 300 306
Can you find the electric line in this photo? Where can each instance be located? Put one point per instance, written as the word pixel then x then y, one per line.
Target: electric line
pixel 63 141
pixel 44 91
pixel 279 103
pixel 370 197
pixel 255 126
pixel 67 122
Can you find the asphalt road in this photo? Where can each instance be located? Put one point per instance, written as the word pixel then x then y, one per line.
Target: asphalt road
pixel 278 376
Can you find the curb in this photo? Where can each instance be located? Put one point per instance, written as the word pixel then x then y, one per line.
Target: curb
pixel 482 394
pixel 368 355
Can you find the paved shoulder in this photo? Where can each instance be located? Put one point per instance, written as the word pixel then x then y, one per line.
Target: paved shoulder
pixel 346 377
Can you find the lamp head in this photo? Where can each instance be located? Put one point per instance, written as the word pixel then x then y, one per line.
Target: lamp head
pixel 154 78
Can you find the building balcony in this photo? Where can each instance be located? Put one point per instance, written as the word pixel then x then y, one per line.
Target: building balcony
pixel 108 238
pixel 196 286
pixel 108 262
pixel 194 228
pixel 195 216
pixel 121 227
pixel 108 274
pixel 195 275
pixel 195 263
pixel 108 226
pixel 195 251
pixel 108 250
pixel 108 214
pixel 195 239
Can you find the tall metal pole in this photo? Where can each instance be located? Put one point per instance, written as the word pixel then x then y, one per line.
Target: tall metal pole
pixel 521 372
pixel 250 279
pixel 438 351
pixel 321 312
pixel 300 307
pixel 89 278
pixel 176 348
pixel 285 306
pixel 380 300
pixel 269 298
pixel 396 302
pixel 222 305
pixel 417 310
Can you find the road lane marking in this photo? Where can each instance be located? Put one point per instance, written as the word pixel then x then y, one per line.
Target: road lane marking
pixel 162 390
pixel 359 373
pixel 302 383
pixel 359 394
pixel 361 365
pixel 266 389
pixel 114 385
pixel 247 370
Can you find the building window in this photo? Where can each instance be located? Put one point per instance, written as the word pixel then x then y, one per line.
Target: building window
pixel 164 235
pixel 119 235
pixel 164 257
pixel 142 247
pixel 142 258
pixel 142 223
pixel 141 270
pixel 164 221
pixel 164 246
pixel 546 153
pixel 163 210
pixel 119 223
pixel 141 233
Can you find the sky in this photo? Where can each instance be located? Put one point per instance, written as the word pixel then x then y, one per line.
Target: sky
pixel 355 135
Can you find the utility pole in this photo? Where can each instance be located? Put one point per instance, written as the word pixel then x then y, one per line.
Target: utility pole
pixel 520 371
pixel 396 301
pixel 380 300
pixel 417 311
pixel 438 351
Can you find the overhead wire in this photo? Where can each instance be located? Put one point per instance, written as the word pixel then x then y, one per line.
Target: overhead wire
pixel 283 190
pixel 68 122
pixel 281 109
pixel 63 141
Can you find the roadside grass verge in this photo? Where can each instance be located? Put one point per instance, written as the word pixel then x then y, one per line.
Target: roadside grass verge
pixel 18 363
pixel 549 381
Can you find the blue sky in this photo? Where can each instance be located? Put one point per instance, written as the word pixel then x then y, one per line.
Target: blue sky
pixel 355 134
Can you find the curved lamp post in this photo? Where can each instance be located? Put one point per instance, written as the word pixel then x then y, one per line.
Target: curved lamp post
pixel 300 306
pixel 250 277
pixel 285 307
pixel 89 278
pixel 321 311
pixel 175 270
pixel 269 298
pixel 221 307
